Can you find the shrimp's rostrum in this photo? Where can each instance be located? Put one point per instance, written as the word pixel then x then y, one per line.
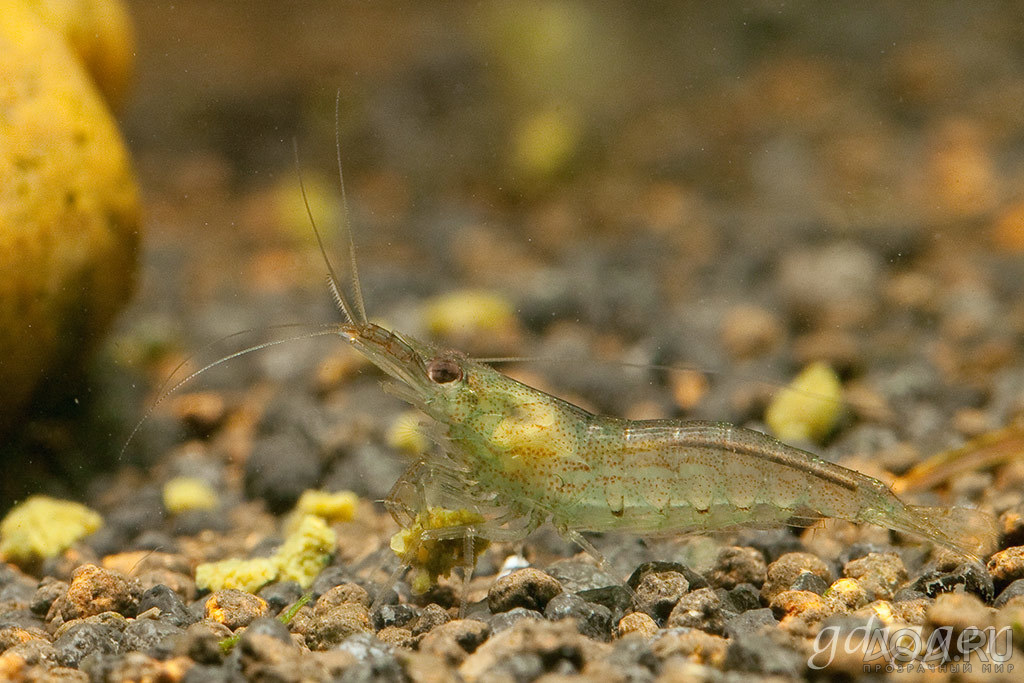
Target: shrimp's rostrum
pixel 513 457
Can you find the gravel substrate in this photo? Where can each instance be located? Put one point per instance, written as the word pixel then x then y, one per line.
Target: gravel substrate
pixel 844 189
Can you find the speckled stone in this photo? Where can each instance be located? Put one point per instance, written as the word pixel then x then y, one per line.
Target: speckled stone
pixel 702 609
pixel 529 588
pixel 658 592
pixel 880 574
pixel 783 572
pixel 735 565
pixel 234 608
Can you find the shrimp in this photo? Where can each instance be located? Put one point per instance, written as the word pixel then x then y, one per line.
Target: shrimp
pixel 513 458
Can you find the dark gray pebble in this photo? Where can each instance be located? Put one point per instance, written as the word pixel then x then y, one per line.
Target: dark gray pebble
pixel 281 594
pixel 907 594
pixel 616 598
pixel 809 582
pixel 744 597
pixel 760 654
pixel 592 620
pixel 509 618
pixel 1013 590
pixel 749 622
pixel 49 590
pixel 377 660
pixel 153 637
pixel 84 638
pixel 634 658
pixel 400 615
pixel 280 468
pixel 268 626
pixel 971 576
pixel 201 642
pixel 172 609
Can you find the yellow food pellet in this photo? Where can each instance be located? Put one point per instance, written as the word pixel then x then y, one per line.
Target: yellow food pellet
pixel 244 575
pixel 306 551
pixel 337 506
pixel 467 312
pixel 809 408
pixel 182 494
pixel 431 558
pixel 405 433
pixel 43 527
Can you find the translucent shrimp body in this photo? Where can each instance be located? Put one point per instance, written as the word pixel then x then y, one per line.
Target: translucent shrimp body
pixel 520 457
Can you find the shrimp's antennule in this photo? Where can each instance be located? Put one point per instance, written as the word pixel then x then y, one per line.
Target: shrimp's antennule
pixel 352 315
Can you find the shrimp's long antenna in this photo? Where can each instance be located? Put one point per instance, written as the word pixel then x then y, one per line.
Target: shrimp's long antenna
pixel 332 276
pixel 357 288
pixel 165 393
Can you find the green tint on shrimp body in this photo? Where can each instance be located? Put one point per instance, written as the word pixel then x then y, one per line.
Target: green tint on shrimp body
pixel 522 457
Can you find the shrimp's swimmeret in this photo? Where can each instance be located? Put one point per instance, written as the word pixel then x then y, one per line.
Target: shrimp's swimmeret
pixel 513 458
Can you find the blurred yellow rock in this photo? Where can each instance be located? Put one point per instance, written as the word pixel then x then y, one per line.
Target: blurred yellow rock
pixel 183 494
pixel 809 407
pixel 43 527
pixel 100 33
pixel 69 213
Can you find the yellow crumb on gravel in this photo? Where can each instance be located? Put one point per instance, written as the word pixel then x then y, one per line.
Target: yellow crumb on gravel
pixel 182 494
pixel 431 558
pixel 43 527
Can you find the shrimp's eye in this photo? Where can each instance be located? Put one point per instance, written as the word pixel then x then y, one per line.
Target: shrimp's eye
pixel 444 370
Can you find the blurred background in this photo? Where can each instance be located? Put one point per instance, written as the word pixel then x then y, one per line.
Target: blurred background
pixel 744 186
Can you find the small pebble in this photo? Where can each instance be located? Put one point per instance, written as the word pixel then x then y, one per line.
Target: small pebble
pixel 94 590
pixel 959 610
pixel 281 594
pixel 799 612
pixel 701 609
pixel 693 645
pixel 171 608
pixel 530 588
pixel 1007 565
pixel 201 642
pixel 750 331
pixel 846 595
pixel 593 621
pixel 153 637
pixel 783 572
pixel 343 593
pixel 396 636
pixel 332 624
pixel 505 620
pixel 83 638
pixel 1014 590
pixel 764 656
pixel 391 616
pixel 735 565
pixel 881 574
pixel 658 592
pixel 234 608
pixel 430 617
pixel 454 640
pixel 969 576
pixel 639 623
pixel 750 622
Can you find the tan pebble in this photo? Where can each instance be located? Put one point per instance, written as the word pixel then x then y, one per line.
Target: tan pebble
pixel 234 608
pixel 800 603
pixel 846 595
pixel 94 590
pixel 1007 565
pixel 397 637
pixel 694 645
pixel 530 588
pixel 343 593
pixel 959 610
pixel 454 640
pixel 881 574
pixel 637 623
pixel 784 571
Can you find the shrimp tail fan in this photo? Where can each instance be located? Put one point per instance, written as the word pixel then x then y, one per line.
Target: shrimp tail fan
pixel 966 530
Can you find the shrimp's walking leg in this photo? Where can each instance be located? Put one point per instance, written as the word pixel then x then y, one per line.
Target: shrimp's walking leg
pixel 589 548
